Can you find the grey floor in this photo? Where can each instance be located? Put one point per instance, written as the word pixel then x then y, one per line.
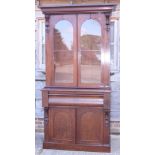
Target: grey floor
pixel 115 141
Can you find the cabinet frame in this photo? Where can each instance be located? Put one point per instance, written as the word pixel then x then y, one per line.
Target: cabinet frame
pixel 77 89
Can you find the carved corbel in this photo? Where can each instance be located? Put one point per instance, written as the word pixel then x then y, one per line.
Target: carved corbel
pixel 46 116
pixel 47 23
pixel 107 119
pixel 107 21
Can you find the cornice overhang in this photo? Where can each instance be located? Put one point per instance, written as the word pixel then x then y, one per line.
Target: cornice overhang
pixel 77 9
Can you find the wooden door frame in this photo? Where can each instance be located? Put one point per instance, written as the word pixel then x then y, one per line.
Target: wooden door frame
pixel 54 20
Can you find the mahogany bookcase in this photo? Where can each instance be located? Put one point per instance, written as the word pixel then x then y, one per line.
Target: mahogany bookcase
pixel 76 98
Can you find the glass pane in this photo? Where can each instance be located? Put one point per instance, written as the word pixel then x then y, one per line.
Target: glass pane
pixel 63 53
pixel 90 52
pixel 63 35
pixel 90 35
pixel 91 67
pixel 63 67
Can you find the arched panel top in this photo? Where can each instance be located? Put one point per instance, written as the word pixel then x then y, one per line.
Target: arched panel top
pixel 63 35
pixel 90 37
pixel 98 17
pixel 93 24
pixel 56 18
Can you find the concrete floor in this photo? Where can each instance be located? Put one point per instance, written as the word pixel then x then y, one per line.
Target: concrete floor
pixel 115 141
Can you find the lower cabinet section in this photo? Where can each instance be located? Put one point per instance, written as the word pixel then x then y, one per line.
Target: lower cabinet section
pixel 77 128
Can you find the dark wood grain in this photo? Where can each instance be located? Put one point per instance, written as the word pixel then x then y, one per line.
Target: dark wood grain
pixel 48 50
pixel 62 125
pixel 45 98
pixel 90 126
pixel 106 66
pixel 79 147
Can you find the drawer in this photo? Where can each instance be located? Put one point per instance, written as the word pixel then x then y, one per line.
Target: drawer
pixel 82 101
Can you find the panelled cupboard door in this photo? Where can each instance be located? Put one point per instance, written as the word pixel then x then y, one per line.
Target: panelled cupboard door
pixel 77 46
pixel 61 125
pixel 63 50
pixel 90 126
pixel 89 123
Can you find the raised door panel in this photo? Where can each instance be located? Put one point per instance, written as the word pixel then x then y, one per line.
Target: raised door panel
pixel 90 126
pixel 61 125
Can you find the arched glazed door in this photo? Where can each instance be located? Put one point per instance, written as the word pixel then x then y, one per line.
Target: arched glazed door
pixel 91 46
pixel 63 50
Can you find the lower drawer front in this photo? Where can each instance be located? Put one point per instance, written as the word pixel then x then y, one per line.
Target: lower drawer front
pixel 70 101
